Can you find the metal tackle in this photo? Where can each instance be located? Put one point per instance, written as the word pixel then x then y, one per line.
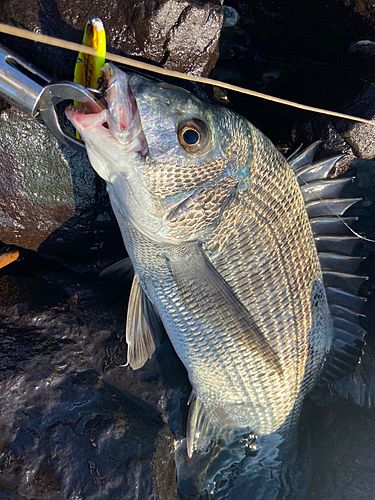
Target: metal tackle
pixel 29 89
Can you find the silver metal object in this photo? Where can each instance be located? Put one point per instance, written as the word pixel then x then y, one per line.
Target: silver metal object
pixel 30 90
pixel 52 95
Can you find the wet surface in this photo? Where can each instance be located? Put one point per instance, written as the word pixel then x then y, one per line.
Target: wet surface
pixel 47 190
pixel 57 201
pixel 343 465
pixel 297 51
pixel 76 422
pixel 179 35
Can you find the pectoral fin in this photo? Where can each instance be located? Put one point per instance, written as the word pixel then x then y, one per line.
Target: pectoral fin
pixel 143 327
pixel 199 280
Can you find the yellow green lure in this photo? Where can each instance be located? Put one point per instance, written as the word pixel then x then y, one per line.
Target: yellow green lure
pixel 88 69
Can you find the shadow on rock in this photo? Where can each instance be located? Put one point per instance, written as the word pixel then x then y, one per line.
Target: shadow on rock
pixel 75 421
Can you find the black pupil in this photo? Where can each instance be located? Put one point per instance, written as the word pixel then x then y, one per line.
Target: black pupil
pixel 191 136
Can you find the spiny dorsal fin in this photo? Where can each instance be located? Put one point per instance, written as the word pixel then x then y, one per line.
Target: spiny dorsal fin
pixel 325 189
pixel 304 157
pixel 143 327
pixel 334 206
pixel 318 170
pixel 332 225
pixel 335 243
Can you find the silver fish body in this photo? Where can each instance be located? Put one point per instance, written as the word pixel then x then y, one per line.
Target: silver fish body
pixel 267 256
pixel 223 248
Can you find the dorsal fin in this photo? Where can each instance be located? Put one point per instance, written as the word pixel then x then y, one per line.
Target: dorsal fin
pixel 304 157
pixel 336 245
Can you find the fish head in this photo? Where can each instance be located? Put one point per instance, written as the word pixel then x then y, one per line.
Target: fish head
pixel 172 162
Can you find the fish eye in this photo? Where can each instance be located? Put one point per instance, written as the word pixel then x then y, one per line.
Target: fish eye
pixel 193 135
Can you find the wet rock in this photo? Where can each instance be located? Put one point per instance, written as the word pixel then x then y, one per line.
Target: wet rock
pixel 297 51
pixel 310 29
pixel 50 199
pixel 356 140
pixel 75 422
pixel 179 35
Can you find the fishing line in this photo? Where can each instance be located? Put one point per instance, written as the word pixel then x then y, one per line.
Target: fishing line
pixel 76 47
pixel 358 235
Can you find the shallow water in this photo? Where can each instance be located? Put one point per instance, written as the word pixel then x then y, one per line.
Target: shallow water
pixel 343 452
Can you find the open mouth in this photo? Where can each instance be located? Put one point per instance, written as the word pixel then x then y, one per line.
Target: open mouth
pixel 117 112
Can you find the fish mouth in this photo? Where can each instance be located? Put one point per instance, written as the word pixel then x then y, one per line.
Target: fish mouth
pixel 116 116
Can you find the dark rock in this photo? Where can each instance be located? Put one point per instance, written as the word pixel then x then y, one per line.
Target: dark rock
pixel 179 35
pixel 50 199
pixel 75 422
pixel 295 50
pixel 356 140
pixel 310 29
pixel 47 190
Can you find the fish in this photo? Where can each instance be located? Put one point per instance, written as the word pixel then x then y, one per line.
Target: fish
pixel 245 258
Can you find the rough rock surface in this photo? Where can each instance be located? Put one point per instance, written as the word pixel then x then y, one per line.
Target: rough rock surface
pixel 297 50
pixel 50 197
pixel 75 422
pixel 181 35
pixel 55 197
pixel 356 140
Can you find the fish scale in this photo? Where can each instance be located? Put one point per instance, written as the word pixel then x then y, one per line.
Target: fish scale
pixel 249 266
pixel 255 250
pixel 196 350
pixel 241 254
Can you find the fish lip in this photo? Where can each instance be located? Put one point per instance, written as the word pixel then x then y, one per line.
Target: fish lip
pixel 123 114
pixel 118 113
